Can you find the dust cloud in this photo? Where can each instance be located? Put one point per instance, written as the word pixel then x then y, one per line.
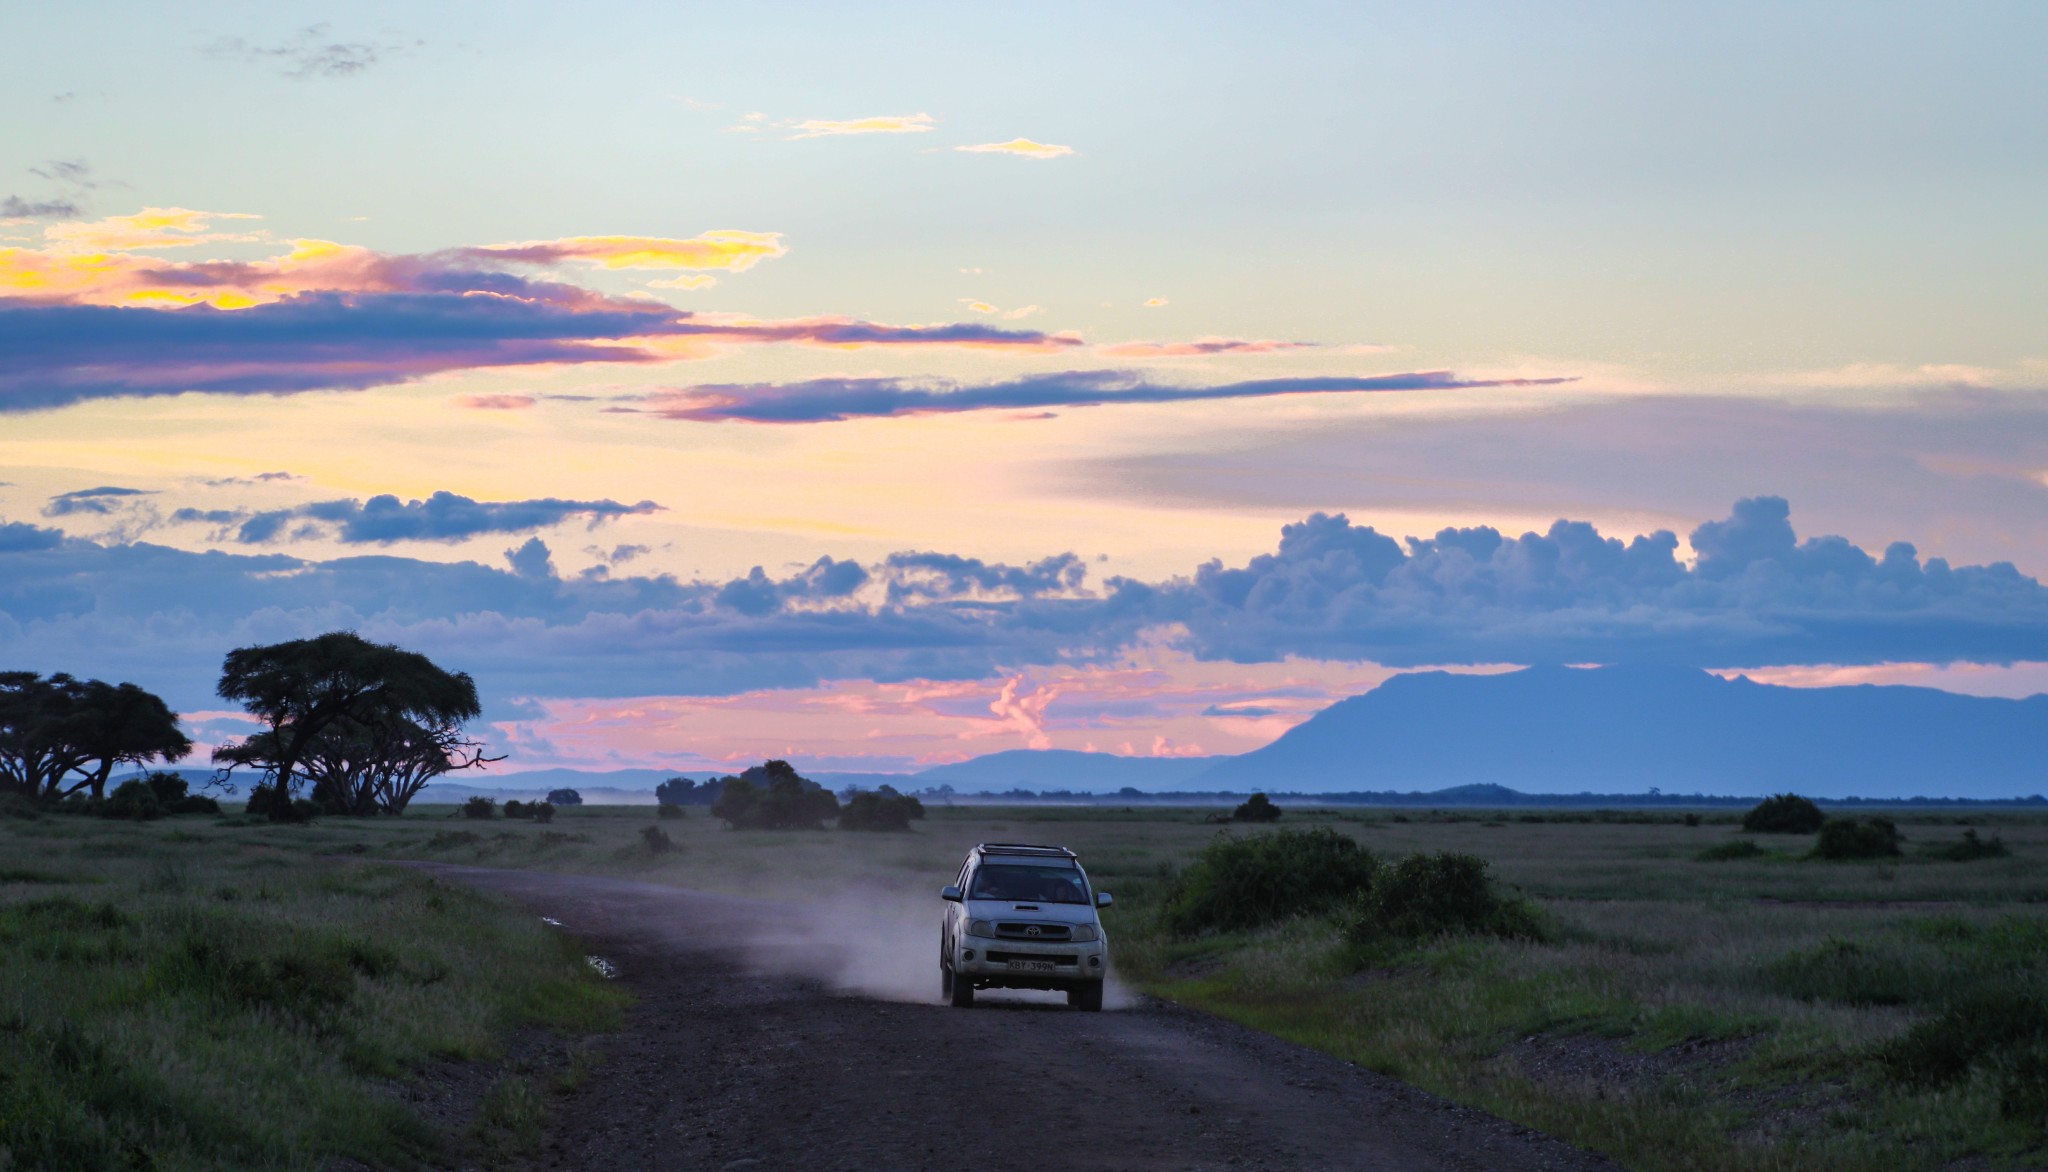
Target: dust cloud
pixel 877 943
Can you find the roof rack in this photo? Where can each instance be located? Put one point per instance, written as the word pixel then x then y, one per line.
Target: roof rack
pixel 1024 848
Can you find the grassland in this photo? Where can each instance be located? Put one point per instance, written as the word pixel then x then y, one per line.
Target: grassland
pixel 197 993
pixel 1685 1014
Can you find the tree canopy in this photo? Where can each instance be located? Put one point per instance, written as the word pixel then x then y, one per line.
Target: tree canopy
pixel 60 735
pixel 774 796
pixel 367 724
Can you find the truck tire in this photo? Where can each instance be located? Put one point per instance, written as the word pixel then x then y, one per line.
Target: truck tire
pixel 959 990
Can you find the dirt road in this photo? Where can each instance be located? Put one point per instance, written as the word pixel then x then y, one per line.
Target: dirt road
pixel 739 1056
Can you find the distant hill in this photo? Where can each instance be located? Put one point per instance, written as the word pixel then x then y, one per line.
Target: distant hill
pixel 1037 769
pixel 1623 729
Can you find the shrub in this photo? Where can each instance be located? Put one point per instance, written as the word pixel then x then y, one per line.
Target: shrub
pixel 514 808
pixel 1783 814
pixel 480 807
pixel 1245 882
pixel 774 797
pixel 1257 808
pixel 2003 1032
pixel 1440 894
pixel 682 791
pixel 263 799
pixel 880 809
pixel 1969 849
pixel 543 812
pixel 665 811
pixel 657 840
pixel 20 806
pixel 1692 819
pixel 1857 838
pixel 134 800
pixel 1741 848
pixel 564 797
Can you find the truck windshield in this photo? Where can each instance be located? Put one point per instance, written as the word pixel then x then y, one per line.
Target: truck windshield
pixel 1028 884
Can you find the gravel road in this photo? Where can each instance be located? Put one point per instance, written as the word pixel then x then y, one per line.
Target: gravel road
pixel 738 1055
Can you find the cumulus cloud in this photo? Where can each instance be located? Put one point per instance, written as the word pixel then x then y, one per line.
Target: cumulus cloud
pixel 1757 596
pixel 96 501
pixel 879 124
pixel 834 400
pixel 444 516
pixel 1019 146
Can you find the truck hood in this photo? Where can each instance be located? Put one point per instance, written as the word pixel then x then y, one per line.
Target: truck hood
pixel 1047 913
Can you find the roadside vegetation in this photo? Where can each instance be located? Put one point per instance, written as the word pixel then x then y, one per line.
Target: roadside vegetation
pixel 1582 972
pixel 199 992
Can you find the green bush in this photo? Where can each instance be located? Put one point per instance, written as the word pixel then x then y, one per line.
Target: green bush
pixel 263 797
pixel 564 797
pixel 543 812
pixel 774 797
pixel 515 808
pixel 1741 848
pixel 665 811
pixel 1439 894
pixel 1969 849
pixel 880 809
pixel 133 800
pixel 1857 838
pixel 2002 1032
pixel 1246 882
pixel 1783 814
pixel 657 840
pixel 20 806
pixel 480 807
pixel 1257 808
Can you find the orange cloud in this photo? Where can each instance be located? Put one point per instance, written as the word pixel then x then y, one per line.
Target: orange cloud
pixel 1019 146
pixel 149 228
pixel 729 250
pixel 881 124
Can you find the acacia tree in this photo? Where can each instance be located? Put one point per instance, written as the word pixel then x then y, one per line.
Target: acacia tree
pixel 61 734
pixel 305 689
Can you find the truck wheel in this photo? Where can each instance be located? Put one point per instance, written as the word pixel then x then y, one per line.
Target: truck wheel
pixel 959 990
pixel 1087 999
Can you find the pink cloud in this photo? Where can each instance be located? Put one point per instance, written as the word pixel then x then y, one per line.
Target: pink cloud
pixel 1202 347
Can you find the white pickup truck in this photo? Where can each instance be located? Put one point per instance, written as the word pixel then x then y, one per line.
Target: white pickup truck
pixel 1022 916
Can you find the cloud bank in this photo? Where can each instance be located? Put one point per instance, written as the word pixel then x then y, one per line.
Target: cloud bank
pixel 1331 591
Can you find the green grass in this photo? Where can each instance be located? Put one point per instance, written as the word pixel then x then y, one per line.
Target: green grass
pixel 212 995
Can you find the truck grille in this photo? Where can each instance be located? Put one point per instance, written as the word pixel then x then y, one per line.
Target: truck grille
pixel 1006 957
pixel 1049 933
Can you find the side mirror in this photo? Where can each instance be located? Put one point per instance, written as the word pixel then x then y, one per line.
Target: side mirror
pixel 1102 899
pixel 950 894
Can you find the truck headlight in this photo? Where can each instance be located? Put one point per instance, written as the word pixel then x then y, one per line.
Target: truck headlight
pixel 981 928
pixel 1083 933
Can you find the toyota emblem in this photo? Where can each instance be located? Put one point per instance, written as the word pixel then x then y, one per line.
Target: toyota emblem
pixel 1032 930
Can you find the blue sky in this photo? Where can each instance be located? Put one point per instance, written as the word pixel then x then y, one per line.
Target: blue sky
pixel 681 291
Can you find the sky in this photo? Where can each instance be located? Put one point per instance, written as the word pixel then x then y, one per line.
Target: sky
pixel 876 386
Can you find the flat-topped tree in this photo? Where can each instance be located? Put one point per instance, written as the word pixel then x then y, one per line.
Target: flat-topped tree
pixel 60 734
pixel 302 688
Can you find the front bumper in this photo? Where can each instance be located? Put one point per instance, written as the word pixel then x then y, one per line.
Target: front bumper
pixel 1020 964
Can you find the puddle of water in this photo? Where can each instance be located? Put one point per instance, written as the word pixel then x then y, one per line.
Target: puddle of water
pixel 605 968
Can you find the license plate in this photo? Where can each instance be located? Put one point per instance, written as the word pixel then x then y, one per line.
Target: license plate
pixel 1032 966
